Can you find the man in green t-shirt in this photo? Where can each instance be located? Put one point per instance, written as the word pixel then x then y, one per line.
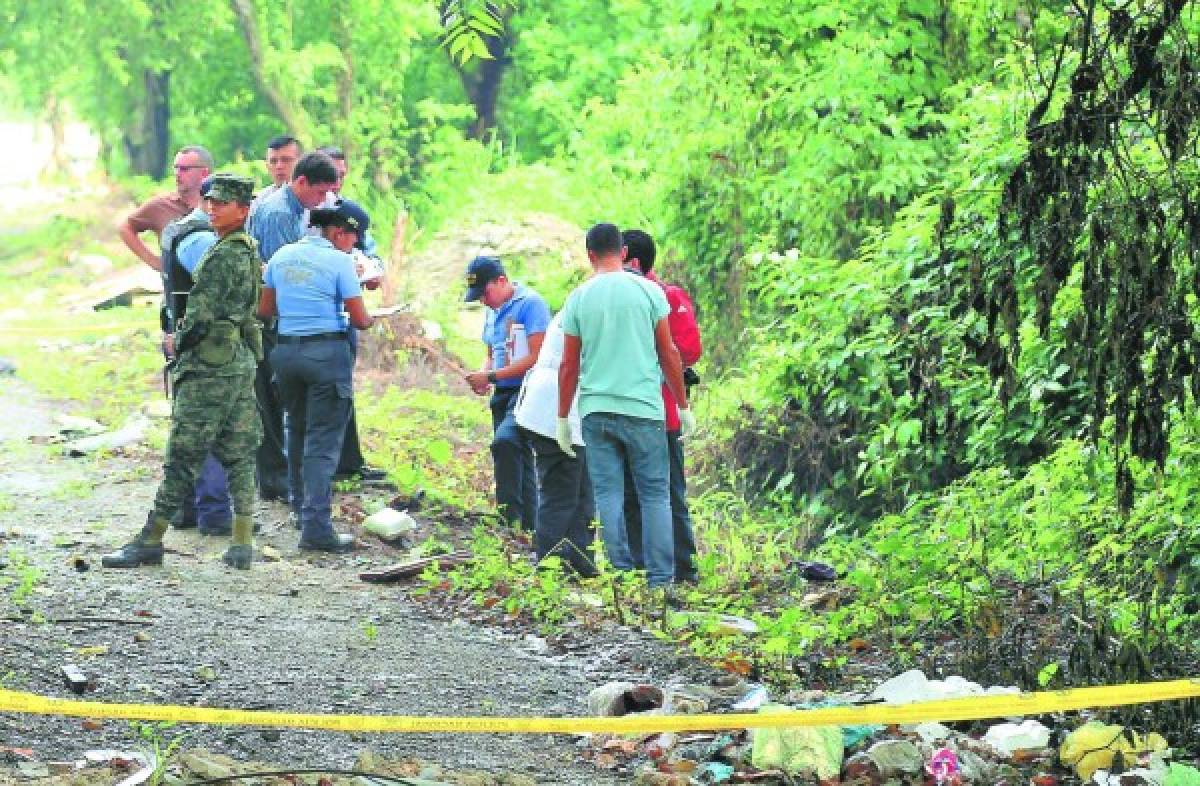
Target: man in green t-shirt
pixel 617 350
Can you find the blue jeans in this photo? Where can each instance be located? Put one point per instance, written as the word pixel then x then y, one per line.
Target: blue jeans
pixel 615 442
pixel 512 460
pixel 681 517
pixel 316 386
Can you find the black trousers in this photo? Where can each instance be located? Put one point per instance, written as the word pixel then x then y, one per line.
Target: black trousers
pixel 566 505
pixel 270 469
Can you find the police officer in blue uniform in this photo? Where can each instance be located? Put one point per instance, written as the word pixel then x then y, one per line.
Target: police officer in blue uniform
pixel 311 285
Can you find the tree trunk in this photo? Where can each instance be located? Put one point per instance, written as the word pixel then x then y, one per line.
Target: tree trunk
pixel 147 139
pixel 57 165
pixel 345 83
pixel 291 115
pixel 482 84
pixel 395 261
pixel 487 91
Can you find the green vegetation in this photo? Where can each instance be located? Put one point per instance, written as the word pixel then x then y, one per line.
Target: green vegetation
pixel 945 253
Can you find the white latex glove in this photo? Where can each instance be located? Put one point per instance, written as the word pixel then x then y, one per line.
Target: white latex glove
pixel 562 435
pixel 687 423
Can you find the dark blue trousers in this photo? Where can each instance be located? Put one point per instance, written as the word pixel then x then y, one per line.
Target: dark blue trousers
pixel 316 386
pixel 512 460
pixel 212 507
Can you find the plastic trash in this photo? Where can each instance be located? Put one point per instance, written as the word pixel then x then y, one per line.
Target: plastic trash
pixel 913 686
pixel 896 757
pixel 943 766
pixel 1008 738
pixel 714 772
pixel 1141 775
pixel 390 524
pixel 931 731
pixel 729 625
pixel 1094 746
pixel 756 698
pixel 802 750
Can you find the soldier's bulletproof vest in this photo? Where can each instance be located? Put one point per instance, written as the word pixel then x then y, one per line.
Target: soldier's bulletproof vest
pixel 177 281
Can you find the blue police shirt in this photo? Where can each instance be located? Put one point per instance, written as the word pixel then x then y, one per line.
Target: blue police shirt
pixel 525 308
pixel 312 280
pixel 278 221
pixel 189 250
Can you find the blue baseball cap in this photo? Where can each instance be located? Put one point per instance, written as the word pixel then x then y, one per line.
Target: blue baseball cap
pixel 482 270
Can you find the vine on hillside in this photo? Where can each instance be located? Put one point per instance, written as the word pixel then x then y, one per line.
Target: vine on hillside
pixel 1107 192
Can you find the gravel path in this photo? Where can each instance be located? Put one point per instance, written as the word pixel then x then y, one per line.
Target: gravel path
pixel 301 633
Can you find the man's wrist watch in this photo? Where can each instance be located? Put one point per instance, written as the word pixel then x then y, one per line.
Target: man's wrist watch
pixel 492 377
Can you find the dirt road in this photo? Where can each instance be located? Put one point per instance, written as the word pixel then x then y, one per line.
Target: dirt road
pixel 299 634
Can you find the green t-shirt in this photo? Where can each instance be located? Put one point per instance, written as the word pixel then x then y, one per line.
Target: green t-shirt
pixel 614 315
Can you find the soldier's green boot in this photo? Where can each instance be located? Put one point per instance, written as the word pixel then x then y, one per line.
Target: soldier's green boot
pixel 241 553
pixel 145 549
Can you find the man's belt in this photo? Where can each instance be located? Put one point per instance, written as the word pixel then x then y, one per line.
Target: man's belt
pixel 339 336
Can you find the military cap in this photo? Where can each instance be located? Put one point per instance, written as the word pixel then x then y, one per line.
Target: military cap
pixel 228 187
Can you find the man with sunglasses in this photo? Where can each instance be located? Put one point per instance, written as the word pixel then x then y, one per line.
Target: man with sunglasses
pixel 192 164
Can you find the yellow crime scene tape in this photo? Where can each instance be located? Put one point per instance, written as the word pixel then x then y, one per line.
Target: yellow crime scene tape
pixel 967 708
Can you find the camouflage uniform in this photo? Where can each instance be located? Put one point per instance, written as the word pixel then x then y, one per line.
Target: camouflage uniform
pixel 214 378
pixel 218 346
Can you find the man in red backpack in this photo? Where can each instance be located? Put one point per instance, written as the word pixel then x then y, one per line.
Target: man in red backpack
pixel 639 257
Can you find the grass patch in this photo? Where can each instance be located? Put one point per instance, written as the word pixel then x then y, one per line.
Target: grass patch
pixel 430 440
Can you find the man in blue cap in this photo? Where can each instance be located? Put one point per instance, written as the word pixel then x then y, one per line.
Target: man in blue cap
pixel 517 318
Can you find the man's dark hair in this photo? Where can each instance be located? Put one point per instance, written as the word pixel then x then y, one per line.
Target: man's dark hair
pixel 315 168
pixel 604 239
pixel 640 247
pixel 283 140
pixel 333 151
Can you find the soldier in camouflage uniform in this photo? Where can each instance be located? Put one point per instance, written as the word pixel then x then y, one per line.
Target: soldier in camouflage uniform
pixel 218 347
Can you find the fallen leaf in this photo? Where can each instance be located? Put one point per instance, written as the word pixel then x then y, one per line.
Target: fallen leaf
pixel 605 761
pixel 101 649
pixel 858 645
pixel 91 724
pixel 622 745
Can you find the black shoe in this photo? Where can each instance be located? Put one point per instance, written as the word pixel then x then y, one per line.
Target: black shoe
pixel 337 544
pixel 184 523
pixel 134 554
pixel 238 556
pixel 271 495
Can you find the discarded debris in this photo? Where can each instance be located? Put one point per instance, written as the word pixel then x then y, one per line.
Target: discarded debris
pixel 943 766
pixel 1094 746
pixel 76 680
pixel 416 567
pixel 804 750
pixel 621 698
pixel 390 524
pixel 132 432
pixel 1008 738
pixel 913 686
pixel 752 701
